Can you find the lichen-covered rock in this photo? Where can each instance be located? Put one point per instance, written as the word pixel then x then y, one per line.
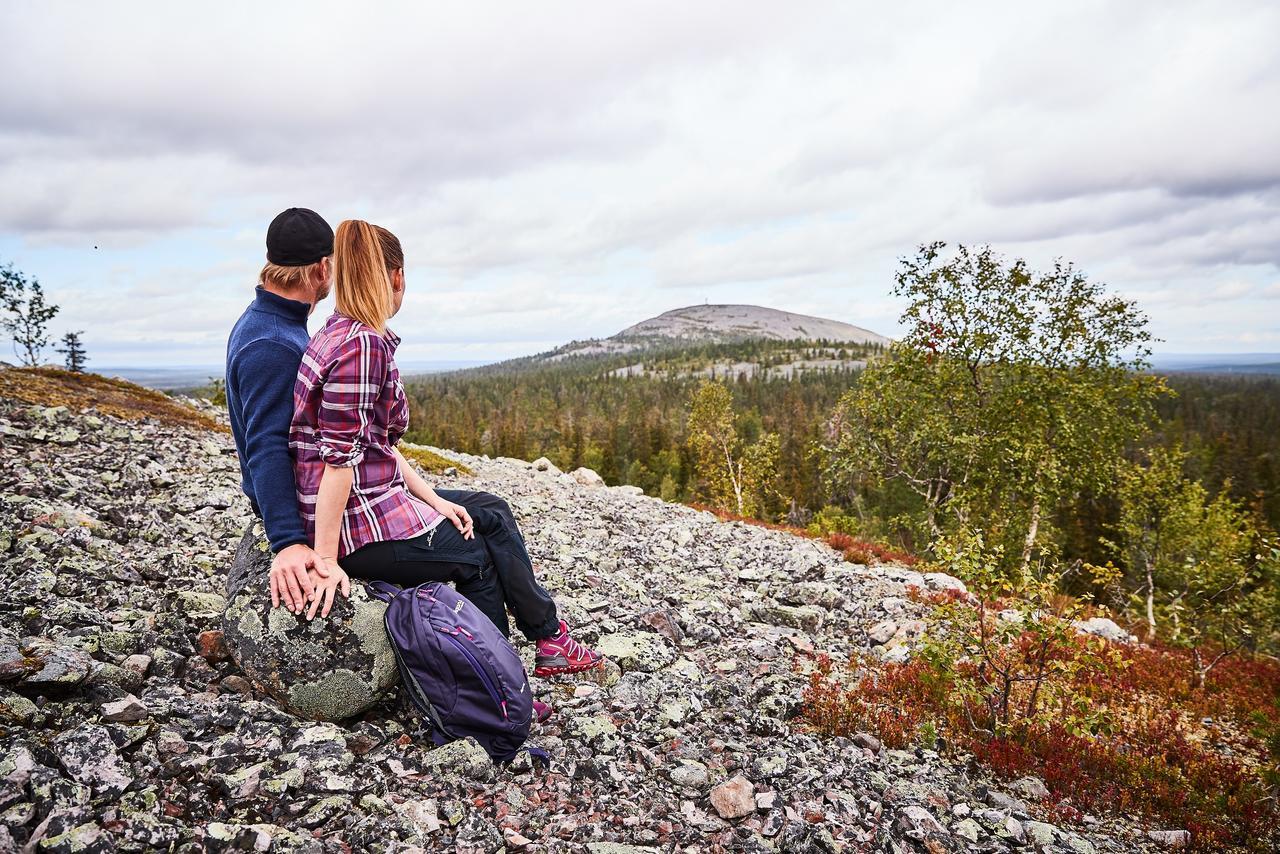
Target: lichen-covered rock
pixel 643 652
pixel 327 668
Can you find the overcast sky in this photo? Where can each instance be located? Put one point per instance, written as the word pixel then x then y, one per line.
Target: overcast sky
pixel 560 171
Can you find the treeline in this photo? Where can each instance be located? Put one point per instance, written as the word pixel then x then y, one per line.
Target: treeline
pixel 633 429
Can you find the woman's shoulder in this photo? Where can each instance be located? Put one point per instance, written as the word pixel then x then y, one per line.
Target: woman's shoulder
pixel 341 334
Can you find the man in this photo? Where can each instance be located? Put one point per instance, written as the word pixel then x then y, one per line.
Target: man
pixel 263 354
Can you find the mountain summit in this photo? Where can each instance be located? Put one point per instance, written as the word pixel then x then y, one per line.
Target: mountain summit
pixel 736 322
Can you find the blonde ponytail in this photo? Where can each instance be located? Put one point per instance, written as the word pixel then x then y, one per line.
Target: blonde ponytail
pixel 361 285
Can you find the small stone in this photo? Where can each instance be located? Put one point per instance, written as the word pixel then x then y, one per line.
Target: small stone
pixel 89 756
pixel 168 741
pixel 867 741
pixel 126 710
pixel 237 685
pixel 967 829
pixel 464 756
pixel 734 798
pixel 918 821
pixel 882 632
pixel 211 647
pixel 1030 788
pixel 587 477
pixel 1040 833
pixel 690 774
pixel 641 652
pixel 1001 801
pixel 1103 628
pixel 1172 840
pixel 515 839
pixel 1013 829
pixel 16 708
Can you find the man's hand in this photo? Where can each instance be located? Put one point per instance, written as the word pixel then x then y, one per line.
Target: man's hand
pixel 336 579
pixel 289 580
pixel 458 515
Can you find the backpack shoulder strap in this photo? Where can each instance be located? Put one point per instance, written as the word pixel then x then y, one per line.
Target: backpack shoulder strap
pixel 382 590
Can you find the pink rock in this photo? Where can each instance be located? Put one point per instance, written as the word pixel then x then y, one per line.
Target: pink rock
pixel 734 798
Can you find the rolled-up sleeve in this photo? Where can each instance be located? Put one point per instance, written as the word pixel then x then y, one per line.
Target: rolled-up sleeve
pixel 348 397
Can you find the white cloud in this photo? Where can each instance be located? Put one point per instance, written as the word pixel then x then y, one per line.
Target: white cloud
pixel 564 170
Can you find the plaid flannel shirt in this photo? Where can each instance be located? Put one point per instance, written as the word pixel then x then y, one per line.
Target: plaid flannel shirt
pixel 349 409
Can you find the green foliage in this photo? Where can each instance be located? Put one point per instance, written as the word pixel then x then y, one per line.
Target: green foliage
pixel 26 314
pixel 733 472
pixel 1011 392
pixel 73 350
pixel 1197 565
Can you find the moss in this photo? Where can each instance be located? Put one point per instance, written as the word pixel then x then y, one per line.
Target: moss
pixel 429 460
pixel 336 695
pixel 114 397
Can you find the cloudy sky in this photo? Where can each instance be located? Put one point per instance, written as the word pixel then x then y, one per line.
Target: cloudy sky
pixel 562 170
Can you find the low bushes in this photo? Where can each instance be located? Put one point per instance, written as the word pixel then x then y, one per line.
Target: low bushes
pixel 1108 727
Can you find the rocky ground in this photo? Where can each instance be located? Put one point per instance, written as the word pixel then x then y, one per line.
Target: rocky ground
pixel 124 726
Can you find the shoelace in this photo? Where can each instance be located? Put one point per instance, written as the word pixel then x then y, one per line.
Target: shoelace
pixel 572 647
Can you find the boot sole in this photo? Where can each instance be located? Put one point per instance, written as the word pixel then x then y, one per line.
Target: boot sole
pixel 566 669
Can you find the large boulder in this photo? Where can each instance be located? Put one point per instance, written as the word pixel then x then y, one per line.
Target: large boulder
pixel 324 669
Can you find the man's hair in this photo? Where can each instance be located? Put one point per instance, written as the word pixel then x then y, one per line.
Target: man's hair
pixel 289 278
pixel 360 275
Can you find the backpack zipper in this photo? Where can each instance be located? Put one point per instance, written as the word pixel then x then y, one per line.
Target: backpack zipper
pixel 478 667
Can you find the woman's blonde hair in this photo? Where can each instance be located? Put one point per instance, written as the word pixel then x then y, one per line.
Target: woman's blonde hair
pixel 392 254
pixel 361 286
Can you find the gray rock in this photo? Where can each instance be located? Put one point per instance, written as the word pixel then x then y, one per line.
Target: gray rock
pixel 1103 628
pixel 1030 788
pixel 89 756
pixel 588 478
pixel 125 710
pixel 643 652
pixel 1171 840
pixel 690 774
pixel 464 757
pixel 328 668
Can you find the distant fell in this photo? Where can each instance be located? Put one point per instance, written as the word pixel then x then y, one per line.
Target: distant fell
pixel 737 322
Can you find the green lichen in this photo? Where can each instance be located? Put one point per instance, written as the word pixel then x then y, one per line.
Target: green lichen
pixel 249 624
pixel 369 626
pixel 334 696
pixel 280 621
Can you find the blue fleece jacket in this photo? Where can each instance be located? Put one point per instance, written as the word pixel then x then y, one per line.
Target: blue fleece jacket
pixel 263 354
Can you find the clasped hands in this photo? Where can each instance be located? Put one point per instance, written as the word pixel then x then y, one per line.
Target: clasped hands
pixel 303 580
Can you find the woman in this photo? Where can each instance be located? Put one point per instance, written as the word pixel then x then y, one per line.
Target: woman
pixel 363 505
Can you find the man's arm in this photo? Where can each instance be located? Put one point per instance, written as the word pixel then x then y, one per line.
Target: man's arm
pixel 266 371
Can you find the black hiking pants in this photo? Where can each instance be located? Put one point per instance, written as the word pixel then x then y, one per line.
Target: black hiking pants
pixel 492 570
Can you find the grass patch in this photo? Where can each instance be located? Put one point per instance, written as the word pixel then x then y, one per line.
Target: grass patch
pixel 114 397
pixel 430 460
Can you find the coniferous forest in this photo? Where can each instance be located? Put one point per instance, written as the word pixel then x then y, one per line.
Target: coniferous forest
pixel 632 429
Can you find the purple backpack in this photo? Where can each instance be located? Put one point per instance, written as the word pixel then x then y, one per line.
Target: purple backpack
pixel 459 670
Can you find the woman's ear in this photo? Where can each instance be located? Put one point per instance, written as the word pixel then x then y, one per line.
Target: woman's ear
pixel 397 280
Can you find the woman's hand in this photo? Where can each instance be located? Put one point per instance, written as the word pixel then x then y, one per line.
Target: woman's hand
pixel 326 588
pixel 458 515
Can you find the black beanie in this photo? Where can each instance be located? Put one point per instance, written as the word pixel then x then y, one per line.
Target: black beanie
pixel 298 237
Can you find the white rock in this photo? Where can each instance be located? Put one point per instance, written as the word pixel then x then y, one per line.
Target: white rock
pixel 1103 628
pixel 587 477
